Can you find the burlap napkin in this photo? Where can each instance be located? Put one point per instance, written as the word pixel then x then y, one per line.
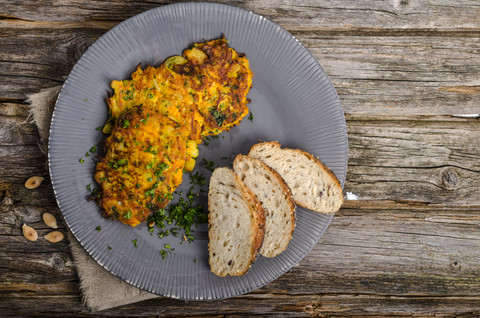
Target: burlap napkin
pixel 100 289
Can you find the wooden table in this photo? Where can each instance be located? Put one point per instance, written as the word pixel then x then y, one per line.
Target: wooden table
pixel 408 75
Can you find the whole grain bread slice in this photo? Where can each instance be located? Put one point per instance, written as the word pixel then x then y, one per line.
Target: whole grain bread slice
pixel 236 224
pixel 276 199
pixel 313 185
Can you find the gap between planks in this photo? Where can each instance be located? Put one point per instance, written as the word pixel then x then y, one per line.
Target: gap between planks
pixel 8 22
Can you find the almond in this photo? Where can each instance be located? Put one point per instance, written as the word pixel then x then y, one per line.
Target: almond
pixel 33 182
pixel 50 220
pixel 54 236
pixel 29 233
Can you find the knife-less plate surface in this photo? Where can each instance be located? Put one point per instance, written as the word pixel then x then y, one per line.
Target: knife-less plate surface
pixel 293 102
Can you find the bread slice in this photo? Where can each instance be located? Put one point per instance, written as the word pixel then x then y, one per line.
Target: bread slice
pixel 276 199
pixel 313 185
pixel 236 224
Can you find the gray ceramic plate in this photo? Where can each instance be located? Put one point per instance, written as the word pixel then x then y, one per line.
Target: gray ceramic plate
pixel 292 102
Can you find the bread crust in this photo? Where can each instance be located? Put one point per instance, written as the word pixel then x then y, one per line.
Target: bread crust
pixel 258 224
pixel 259 216
pixel 315 160
pixel 286 191
pixel 324 168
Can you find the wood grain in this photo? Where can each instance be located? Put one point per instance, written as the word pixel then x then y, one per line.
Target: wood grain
pixel 303 14
pixel 406 72
pixel 380 75
pixel 408 252
pixel 411 251
pixel 407 261
pixel 414 161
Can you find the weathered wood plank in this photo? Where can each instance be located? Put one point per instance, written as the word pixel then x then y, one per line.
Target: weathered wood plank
pixel 426 162
pixel 39 58
pixel 24 262
pixel 252 305
pixel 416 75
pixel 417 258
pixel 336 15
pixel 408 251
pixel 401 76
pixel 406 72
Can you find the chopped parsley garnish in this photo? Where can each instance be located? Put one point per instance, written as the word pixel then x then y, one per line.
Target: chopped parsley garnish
pixel 81 161
pixel 109 248
pixel 168 250
pixel 206 141
pixel 163 233
pixel 87 154
pixel 217 115
pixel 143 121
pixel 197 178
pixel 98 228
pixel 93 149
pixel 183 214
pixel 208 164
pixel 163 253
pixel 250 117
pixel 134 242
pixel 126 123
pixel 95 193
pixel 89 187
pixel 85 99
pixel 149 166
pixel 174 231
pixel 99 128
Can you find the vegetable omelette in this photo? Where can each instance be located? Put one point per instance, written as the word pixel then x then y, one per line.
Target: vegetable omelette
pixel 157 120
